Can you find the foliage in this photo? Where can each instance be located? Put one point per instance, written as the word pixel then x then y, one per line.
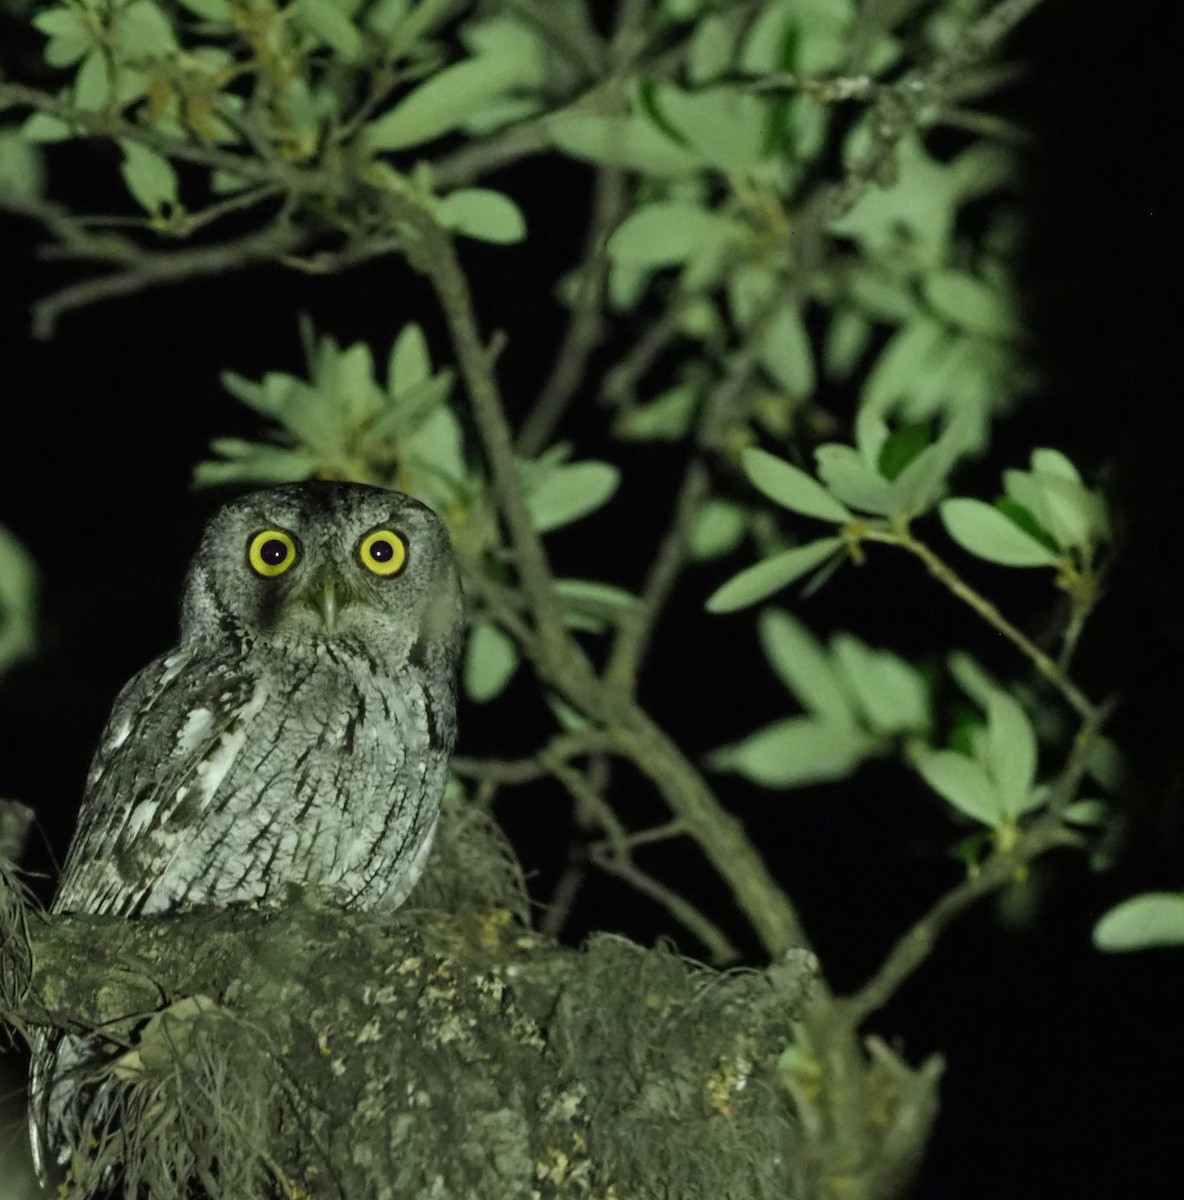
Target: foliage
pixel 799 271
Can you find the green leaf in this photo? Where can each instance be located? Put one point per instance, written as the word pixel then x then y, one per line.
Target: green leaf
pixel 890 692
pixel 149 177
pixel 911 356
pixel 667 232
pixel 795 752
pixel 847 338
pixel 987 533
pixel 723 125
pixel 1010 751
pixel 1026 520
pixel 445 99
pixel 410 363
pixel 569 492
pixel 593 605
pixel 791 487
pixel 632 142
pixel 961 781
pixel 666 418
pixel 18 602
pixel 1089 813
pixel 712 47
pixel 142 31
pixel 848 476
pixel 1153 919
pixel 92 84
pixel 22 170
pixel 785 352
pixel 490 661
pixel 253 462
pixel 483 214
pixel 762 580
pixel 326 19
pixel 804 667
pixel 919 486
pixel 715 529
pixel 969 304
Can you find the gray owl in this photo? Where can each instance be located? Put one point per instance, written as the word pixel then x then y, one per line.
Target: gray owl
pixel 298 734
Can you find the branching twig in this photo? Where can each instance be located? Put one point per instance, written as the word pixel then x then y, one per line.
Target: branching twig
pixel 1046 833
pixel 946 575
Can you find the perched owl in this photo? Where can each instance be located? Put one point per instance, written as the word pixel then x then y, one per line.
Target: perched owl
pixel 298 734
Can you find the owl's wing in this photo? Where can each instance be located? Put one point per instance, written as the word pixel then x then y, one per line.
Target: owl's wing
pixel 169 722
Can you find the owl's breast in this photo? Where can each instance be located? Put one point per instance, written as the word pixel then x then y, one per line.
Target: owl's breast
pixel 323 771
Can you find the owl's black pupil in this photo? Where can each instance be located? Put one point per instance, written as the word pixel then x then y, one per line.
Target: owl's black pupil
pixel 273 552
pixel 382 552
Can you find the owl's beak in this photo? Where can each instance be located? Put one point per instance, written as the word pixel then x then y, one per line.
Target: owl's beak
pixel 326 594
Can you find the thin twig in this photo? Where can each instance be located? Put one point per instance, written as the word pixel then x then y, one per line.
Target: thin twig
pixel 586 325
pixel 946 575
pixel 638 623
pixel 1046 833
pixel 152 269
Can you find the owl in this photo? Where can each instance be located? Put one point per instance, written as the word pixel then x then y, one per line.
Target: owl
pixel 300 731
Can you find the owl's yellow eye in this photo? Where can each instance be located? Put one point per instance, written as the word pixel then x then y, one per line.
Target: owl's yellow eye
pixel 383 551
pixel 271 552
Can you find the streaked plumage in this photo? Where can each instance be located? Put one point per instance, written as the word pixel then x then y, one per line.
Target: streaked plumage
pixel 298 734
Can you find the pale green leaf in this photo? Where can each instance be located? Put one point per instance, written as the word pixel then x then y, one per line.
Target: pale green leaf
pixel 969 303
pixel 847 338
pixel 846 474
pixel 142 31
pixel 724 126
pixel 22 170
pixel 791 487
pixel 92 84
pixel 41 127
pixel 890 693
pixel 445 99
pixel 715 529
pixel 962 782
pixel 712 47
pixel 666 418
pixel 149 177
pixel 1087 812
pixel 410 363
pixel 795 752
pixel 1153 919
pixel 906 362
pixel 804 666
pixel 570 492
pixel 762 580
pixel 786 353
pixel 667 232
pixel 989 534
pixel 1010 751
pixel 253 462
pixel 632 142
pixel 490 661
pixel 326 19
pixel 922 483
pixel 18 602
pixel 483 214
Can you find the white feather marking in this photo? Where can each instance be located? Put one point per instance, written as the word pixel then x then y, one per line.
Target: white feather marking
pixel 212 770
pixel 193 732
pixel 121 734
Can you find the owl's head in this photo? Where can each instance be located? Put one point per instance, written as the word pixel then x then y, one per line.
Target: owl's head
pixel 317 562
